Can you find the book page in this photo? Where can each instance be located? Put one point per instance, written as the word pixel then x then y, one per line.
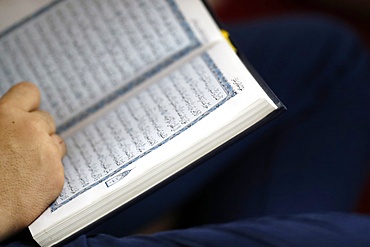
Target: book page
pixel 141 124
pixel 84 55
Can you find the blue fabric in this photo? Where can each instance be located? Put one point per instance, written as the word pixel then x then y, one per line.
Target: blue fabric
pixel 310 161
pixel 301 230
pixel 315 157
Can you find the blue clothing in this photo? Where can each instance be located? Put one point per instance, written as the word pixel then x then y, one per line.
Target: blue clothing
pixel 315 157
pixel 337 230
pixel 302 173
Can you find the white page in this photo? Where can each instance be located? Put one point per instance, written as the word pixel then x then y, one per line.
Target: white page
pixel 141 124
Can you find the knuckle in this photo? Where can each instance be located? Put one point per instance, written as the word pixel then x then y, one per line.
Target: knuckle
pixel 50 151
pixel 35 125
pixel 60 183
pixel 57 175
pixel 48 116
pixel 52 160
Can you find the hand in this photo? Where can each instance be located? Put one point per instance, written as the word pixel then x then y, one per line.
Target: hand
pixel 31 171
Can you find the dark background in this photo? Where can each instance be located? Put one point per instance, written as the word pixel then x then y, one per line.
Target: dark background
pixel 354 13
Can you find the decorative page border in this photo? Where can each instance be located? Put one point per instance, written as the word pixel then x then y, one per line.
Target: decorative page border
pixel 115 177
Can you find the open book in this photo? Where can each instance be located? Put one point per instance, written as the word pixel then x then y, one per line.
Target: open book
pixel 140 90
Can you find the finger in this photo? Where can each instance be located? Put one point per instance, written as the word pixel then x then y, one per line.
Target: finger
pixel 24 95
pixel 59 142
pixel 47 121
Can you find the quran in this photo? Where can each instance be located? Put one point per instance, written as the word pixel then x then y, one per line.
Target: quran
pixel 140 90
